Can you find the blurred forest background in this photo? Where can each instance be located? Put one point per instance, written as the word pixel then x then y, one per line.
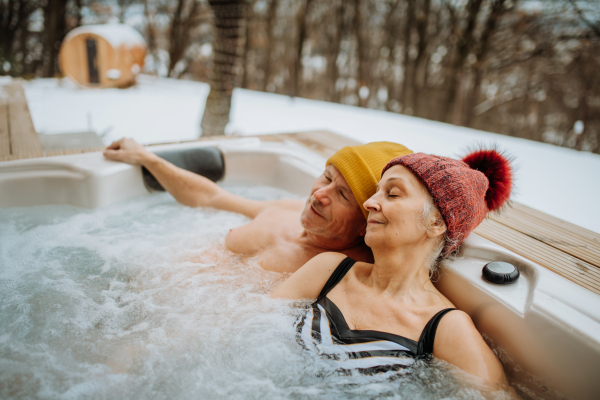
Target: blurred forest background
pixel 522 68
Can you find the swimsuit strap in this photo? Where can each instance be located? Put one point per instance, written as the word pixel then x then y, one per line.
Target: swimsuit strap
pixel 337 276
pixel 428 334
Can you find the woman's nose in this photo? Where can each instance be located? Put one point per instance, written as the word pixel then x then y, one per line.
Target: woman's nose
pixel 371 204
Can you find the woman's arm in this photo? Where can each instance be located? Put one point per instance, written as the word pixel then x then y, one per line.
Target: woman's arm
pixel 308 281
pixel 458 342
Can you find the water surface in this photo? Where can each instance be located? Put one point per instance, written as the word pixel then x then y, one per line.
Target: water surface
pixel 120 303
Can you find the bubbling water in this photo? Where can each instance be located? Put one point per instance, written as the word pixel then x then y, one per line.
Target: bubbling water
pixel 113 303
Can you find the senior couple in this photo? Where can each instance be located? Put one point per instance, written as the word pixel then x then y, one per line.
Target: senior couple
pixel 363 246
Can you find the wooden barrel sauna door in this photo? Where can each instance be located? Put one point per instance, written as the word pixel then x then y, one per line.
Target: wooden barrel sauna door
pixel 92 60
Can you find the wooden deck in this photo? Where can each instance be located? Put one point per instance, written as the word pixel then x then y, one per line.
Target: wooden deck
pixel 569 250
pixel 18 138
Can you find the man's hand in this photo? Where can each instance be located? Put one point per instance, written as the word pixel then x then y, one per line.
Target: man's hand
pixel 128 151
pixel 188 188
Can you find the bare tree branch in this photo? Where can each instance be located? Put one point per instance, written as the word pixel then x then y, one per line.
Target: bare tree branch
pixel 595 28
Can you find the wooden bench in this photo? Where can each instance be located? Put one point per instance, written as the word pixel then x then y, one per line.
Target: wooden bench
pixel 567 249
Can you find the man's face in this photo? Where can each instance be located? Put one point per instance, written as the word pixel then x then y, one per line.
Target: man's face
pixel 331 211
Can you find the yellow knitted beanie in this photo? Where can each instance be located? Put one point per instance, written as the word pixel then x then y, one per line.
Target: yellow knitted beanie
pixel 362 166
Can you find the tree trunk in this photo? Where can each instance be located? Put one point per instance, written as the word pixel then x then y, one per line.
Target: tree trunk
pixel 335 42
pixel 391 38
pixel 271 18
pixel 176 35
pixel 14 30
pixel 182 25
pixel 407 85
pixel 465 42
pixel 586 77
pixel 122 8
pixel 247 43
pixel 488 31
pixel 54 33
pixel 78 16
pixel 302 29
pixel 150 34
pixel 7 27
pixel 361 50
pixel 25 11
pixel 417 78
pixel 227 43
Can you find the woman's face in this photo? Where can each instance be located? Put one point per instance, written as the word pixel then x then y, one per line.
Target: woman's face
pixel 395 209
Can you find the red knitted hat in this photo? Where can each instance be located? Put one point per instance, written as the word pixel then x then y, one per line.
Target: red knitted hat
pixel 464 191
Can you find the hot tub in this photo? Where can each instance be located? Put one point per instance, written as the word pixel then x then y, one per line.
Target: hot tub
pixel 544 328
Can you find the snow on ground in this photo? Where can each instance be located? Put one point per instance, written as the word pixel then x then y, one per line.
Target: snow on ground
pixel 558 181
pixel 156 110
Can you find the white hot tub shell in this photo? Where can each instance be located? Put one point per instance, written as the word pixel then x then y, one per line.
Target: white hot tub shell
pixel 545 328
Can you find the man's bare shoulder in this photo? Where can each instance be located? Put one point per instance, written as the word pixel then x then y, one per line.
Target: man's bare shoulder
pixel 285 204
pixel 281 216
pixel 281 209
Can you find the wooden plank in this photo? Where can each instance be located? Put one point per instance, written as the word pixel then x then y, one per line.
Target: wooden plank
pixel 325 143
pixel 573 240
pixel 22 156
pixel 4 133
pixel 9 157
pixel 201 139
pixel 24 139
pixel 92 149
pixel 556 221
pixel 571 268
pixel 560 263
pixel 62 152
pixel 577 231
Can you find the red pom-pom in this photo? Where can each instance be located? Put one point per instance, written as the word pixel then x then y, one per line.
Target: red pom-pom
pixel 496 167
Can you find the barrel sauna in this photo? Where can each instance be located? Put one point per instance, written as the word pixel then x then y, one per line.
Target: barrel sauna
pixel 102 56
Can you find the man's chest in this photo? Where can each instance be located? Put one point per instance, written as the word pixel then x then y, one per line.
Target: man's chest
pixel 272 241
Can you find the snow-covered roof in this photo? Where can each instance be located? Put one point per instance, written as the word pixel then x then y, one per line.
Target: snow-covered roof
pixel 115 34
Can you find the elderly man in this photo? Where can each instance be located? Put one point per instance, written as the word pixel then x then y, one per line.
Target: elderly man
pixel 284 234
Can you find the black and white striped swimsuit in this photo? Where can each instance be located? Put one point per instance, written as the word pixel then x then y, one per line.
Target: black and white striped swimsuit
pixel 324 329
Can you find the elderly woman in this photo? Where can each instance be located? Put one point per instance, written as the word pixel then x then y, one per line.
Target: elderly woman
pixel 382 316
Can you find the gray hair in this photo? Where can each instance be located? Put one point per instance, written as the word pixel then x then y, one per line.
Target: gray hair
pixel 434 259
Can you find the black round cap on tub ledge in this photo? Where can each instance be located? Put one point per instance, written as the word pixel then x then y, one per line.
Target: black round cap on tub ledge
pixel 501 273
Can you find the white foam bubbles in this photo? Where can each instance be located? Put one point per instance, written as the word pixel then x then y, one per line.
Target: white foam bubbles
pixel 124 302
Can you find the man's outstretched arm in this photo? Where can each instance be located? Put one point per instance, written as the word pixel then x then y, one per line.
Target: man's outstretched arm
pixel 188 188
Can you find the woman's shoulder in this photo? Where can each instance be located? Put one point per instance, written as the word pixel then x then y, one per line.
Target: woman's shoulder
pixel 457 337
pixel 455 325
pixel 458 342
pixel 329 257
pixel 308 281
